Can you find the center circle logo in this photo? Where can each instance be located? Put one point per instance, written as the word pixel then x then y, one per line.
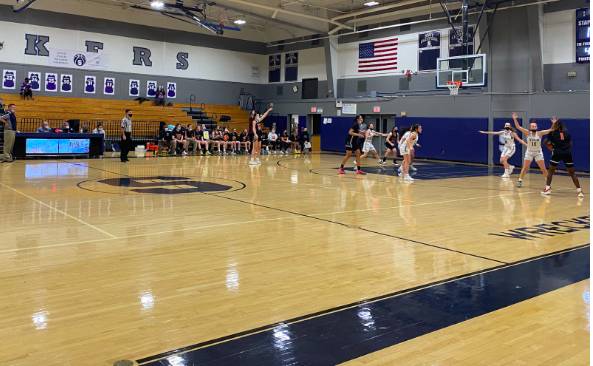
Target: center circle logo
pixel 160 185
pixel 79 59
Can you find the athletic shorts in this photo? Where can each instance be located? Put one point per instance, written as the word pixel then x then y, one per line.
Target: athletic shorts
pixel 508 151
pixel 352 143
pixel 251 138
pixel 537 155
pixel 404 149
pixel 558 157
pixel 387 146
pixel 368 146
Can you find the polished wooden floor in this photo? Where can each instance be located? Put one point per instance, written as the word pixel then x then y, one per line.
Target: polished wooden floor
pixel 94 269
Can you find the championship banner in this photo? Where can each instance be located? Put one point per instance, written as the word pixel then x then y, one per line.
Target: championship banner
pixel 274 68
pixel 429 49
pixel 291 66
pixel 78 60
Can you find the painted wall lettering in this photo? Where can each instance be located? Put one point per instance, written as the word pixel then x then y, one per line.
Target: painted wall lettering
pixel 547 230
pixel 92 46
pixel 183 64
pixel 142 57
pixel 36 45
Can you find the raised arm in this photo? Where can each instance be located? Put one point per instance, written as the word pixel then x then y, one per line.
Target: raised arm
pixel 518 138
pixel 265 114
pixel 491 133
pixel 524 130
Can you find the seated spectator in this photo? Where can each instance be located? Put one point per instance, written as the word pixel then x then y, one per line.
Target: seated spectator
pixel 204 139
pixel 27 90
pixel 244 140
pixel 304 139
pixel 235 143
pixel 273 140
pixel 85 129
pixel 44 128
pixel 159 98
pixel 99 128
pixel 218 140
pixel 179 139
pixel 165 140
pixel 190 138
pixel 294 141
pixel 66 128
pixel 284 143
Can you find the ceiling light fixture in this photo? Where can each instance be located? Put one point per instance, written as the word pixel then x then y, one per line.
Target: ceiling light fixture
pixel 371 3
pixel 157 4
pixel 240 21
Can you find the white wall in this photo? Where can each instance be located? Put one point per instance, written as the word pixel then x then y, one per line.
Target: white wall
pixel 204 63
pixel 407 55
pixel 311 65
pixel 559 37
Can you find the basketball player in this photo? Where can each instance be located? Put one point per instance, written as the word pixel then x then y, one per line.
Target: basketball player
pixel 368 143
pixel 352 145
pixel 257 135
pixel 509 147
pixel 391 145
pixel 562 143
pixel 406 147
pixel 534 148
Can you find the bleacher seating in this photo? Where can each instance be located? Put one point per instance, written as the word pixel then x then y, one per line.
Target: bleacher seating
pixel 147 116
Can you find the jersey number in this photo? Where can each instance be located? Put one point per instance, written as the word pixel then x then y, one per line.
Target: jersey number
pixel 534 143
pixel 561 136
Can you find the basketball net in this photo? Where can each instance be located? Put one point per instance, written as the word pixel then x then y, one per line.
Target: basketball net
pixel 223 18
pixel 454 87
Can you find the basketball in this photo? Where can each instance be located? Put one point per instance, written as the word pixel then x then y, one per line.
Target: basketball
pixel 549 146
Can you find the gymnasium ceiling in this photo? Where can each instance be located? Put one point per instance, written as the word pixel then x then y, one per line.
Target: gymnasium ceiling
pixel 266 20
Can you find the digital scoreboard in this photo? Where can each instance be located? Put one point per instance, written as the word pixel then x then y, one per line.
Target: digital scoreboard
pixel 583 36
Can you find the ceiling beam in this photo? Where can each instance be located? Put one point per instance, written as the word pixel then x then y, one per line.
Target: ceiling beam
pixel 314 31
pixel 377 8
pixel 294 13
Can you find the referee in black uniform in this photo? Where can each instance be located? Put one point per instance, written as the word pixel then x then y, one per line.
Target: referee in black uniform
pixel 126 135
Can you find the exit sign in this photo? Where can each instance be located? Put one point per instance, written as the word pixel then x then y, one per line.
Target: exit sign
pixel 376 109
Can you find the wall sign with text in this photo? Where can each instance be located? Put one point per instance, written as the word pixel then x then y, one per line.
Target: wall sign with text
pixel 583 36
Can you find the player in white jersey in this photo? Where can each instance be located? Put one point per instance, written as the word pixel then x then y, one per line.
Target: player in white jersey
pixel 406 148
pixel 368 143
pixel 534 148
pixel 509 147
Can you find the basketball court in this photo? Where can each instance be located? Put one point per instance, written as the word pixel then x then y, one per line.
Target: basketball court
pixel 217 258
pixel 169 261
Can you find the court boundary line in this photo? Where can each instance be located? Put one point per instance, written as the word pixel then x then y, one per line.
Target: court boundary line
pixel 344 307
pixel 60 211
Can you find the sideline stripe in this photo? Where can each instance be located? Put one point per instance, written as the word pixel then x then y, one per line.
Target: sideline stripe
pixel 342 333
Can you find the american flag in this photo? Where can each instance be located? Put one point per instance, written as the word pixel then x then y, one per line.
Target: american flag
pixel 378 55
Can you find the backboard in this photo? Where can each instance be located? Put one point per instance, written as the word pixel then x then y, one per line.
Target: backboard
pixel 470 69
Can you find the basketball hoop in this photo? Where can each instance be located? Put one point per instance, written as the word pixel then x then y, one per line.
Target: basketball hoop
pixel 223 18
pixel 454 87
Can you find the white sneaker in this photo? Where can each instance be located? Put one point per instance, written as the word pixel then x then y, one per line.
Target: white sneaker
pixel 399 169
pixel 395 164
pixel 252 162
pixel 381 162
pixel 505 175
pixel 184 153
pixel 408 178
pixel 412 167
pixel 257 162
pixel 401 174
pixel 511 167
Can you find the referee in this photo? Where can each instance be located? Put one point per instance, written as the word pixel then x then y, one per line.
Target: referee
pixel 9 121
pixel 126 135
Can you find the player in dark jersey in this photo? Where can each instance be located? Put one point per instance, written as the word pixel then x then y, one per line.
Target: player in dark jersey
pixel 352 145
pixel 257 134
pixel 391 143
pixel 560 140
